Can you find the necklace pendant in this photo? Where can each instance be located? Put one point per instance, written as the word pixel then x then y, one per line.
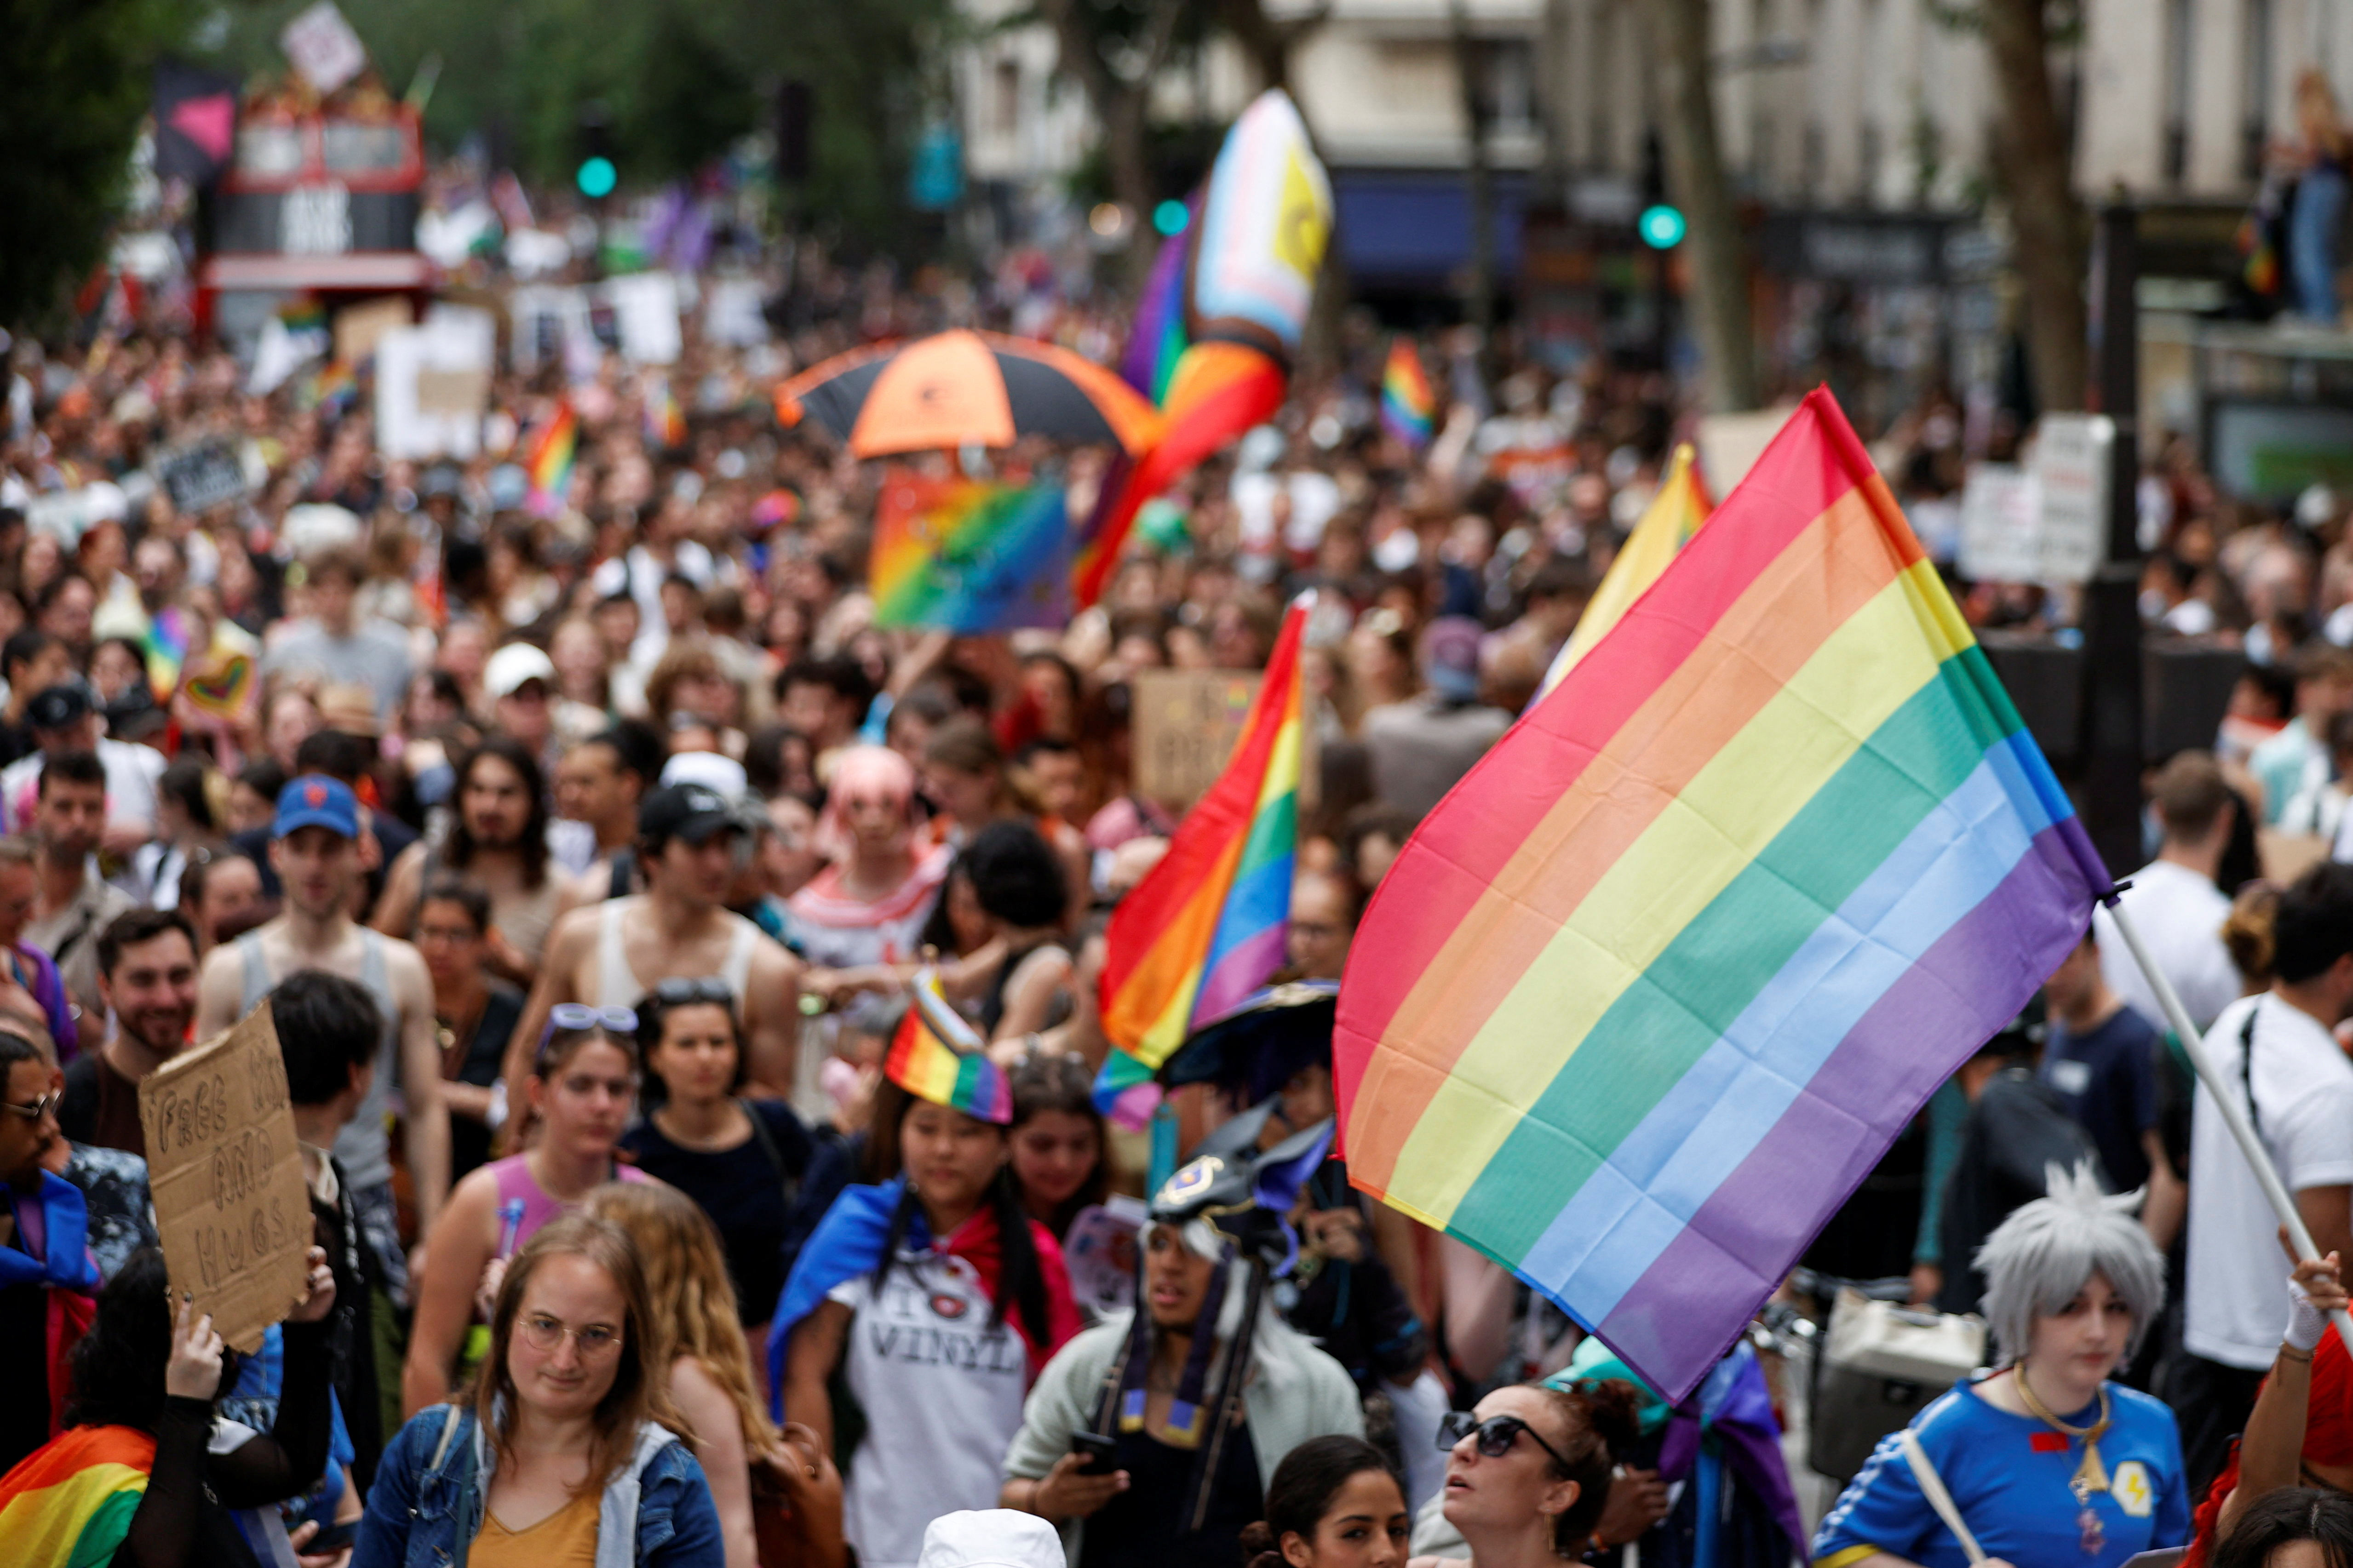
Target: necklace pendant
pixel 2096 1534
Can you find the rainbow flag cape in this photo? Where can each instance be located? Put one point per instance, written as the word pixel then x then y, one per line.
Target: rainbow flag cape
pixel 937 1056
pixel 1205 926
pixel 1218 391
pixel 548 461
pixel 1667 525
pixel 68 1504
pixel 1408 406
pixel 1648 994
pixel 970 556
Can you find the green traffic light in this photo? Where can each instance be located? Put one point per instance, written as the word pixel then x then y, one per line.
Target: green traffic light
pixel 598 177
pixel 1661 226
pixel 1171 216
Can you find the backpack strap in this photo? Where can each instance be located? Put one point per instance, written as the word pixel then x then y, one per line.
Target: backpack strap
pixel 449 1430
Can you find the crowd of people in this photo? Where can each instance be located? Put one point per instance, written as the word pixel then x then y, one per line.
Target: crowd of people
pixel 587 847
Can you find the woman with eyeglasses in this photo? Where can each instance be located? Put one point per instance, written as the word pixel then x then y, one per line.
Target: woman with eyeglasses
pixel 1527 1471
pixel 568 1452
pixel 582 1088
pixel 740 1157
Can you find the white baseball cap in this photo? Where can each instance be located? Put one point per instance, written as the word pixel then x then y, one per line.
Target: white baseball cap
pixel 512 665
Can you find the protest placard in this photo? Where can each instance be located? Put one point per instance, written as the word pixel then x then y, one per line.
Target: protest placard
pixel 203 476
pixel 1186 722
pixel 433 382
pixel 226 1178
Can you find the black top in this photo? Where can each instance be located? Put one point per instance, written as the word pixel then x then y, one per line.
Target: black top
pixel 748 1191
pixel 1145 1526
pixel 469 1140
pixel 2016 1130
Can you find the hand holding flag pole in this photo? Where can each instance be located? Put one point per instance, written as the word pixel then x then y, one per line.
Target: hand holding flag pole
pixel 2234 1115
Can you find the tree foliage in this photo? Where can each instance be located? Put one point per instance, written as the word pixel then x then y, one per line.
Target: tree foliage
pixel 74 76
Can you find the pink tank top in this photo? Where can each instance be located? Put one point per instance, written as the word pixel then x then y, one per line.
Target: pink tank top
pixel 524 1205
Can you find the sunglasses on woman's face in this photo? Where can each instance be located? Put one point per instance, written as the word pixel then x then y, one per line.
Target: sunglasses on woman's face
pixel 1497 1434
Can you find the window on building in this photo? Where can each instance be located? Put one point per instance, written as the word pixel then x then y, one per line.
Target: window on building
pixel 1509 68
pixel 1005 97
pixel 1812 158
pixel 2254 99
pixel 2178 20
pixel 1870 153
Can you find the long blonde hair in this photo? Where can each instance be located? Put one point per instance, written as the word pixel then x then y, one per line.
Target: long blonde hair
pixel 686 1275
pixel 639 1392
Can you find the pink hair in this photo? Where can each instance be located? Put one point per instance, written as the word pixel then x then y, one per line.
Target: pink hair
pixel 860 773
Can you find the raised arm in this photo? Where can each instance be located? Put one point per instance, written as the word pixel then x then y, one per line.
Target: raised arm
pixel 2271 1454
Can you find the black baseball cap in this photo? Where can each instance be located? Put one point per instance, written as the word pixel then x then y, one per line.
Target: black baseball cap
pixel 690 811
pixel 55 707
pixel 135 713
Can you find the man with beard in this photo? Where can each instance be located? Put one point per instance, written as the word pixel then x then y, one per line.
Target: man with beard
pixel 500 842
pixel 598 785
pixel 611 953
pixel 147 980
pixel 314 847
pixel 68 820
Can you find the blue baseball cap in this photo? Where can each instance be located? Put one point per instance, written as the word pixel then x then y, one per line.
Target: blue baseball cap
pixel 315 800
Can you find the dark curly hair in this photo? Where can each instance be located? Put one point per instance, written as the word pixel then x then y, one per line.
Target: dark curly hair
pixel 1600 1420
pixel 117 1365
pixel 1015 875
pixel 2323 1516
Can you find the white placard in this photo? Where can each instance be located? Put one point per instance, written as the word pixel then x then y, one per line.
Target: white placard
pixel 323 48
pixel 2071 467
pixel 645 307
pixel 2001 525
pixel 432 382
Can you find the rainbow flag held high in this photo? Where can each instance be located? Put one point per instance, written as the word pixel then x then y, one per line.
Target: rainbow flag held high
pixel 1218 391
pixel 1655 987
pixel 970 556
pixel 1408 406
pixel 1205 926
pixel 937 1056
pixel 548 461
pixel 1125 1091
pixel 1667 525
pixel 70 1503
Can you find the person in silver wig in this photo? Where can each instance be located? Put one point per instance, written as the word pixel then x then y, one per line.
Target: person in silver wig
pixel 2044 1461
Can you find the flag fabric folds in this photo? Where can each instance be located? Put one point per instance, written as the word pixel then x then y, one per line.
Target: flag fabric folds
pixel 1666 525
pixel 1205 926
pixel 1408 406
pixel 937 1056
pixel 1655 987
pixel 1265 219
pixel 548 463
pixel 70 1502
pixel 970 556
pixel 1157 339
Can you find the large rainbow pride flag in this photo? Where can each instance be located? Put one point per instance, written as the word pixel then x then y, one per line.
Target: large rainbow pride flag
pixel 1205 926
pixel 1656 986
pixel 70 1502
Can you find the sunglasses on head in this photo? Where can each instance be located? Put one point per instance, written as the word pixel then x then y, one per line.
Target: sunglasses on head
pixel 1497 1434
pixel 679 991
pixel 566 1016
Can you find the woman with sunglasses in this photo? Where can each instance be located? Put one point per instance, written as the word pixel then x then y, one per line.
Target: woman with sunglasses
pixel 567 1454
pixel 2043 1460
pixel 740 1157
pixel 1527 1471
pixel 582 1088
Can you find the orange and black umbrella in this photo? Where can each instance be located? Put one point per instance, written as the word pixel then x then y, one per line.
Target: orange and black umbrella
pixel 967 389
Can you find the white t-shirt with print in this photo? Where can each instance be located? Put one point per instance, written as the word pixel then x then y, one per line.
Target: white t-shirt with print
pixel 943 1393
pixel 2304 1113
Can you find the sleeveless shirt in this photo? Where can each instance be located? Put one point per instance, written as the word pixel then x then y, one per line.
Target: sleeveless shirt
pixel 362 1146
pixel 617 984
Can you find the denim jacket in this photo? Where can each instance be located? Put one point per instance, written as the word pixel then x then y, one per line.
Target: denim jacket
pixel 426 1505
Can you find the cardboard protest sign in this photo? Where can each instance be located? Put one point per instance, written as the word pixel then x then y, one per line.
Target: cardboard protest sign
pixel 358 326
pixel 1186 722
pixel 203 476
pixel 226 1178
pixel 433 382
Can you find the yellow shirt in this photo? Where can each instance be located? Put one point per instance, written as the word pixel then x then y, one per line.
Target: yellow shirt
pixel 564 1539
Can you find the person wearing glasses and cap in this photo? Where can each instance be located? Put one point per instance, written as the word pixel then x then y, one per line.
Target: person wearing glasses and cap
pixel 315 847
pixel 610 954
pixel 582 1089
pixel 1153 1437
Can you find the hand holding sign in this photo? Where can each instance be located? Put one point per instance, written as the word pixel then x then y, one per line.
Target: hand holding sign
pixel 226 1178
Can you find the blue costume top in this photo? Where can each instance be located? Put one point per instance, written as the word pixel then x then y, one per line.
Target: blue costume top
pixel 2009 1477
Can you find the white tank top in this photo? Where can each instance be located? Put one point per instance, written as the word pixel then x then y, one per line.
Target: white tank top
pixel 617 984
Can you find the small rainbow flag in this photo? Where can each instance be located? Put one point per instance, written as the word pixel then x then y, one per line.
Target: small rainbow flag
pixel 1675 514
pixel 1205 926
pixel 665 420
pixel 970 556
pixel 548 462
pixel 70 1502
pixel 1408 406
pixel 937 1056
pixel 1655 987
pixel 1218 391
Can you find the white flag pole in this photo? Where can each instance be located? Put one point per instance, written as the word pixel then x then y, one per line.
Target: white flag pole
pixel 2234 1115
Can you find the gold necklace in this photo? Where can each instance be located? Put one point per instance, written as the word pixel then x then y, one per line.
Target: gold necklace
pixel 2090 1476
